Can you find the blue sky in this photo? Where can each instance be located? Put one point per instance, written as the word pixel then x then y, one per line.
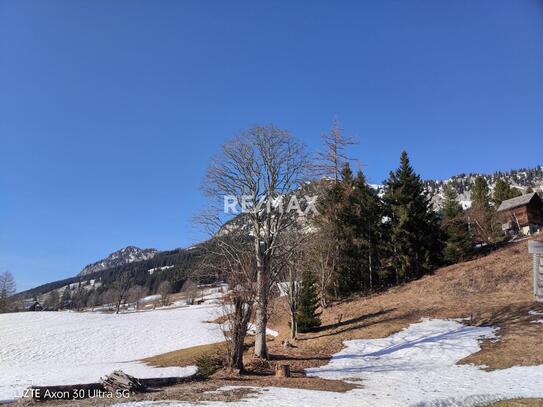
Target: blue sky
pixel 110 110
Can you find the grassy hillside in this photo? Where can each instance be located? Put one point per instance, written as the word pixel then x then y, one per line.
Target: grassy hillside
pixel 493 290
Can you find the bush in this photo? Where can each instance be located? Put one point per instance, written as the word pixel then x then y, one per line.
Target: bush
pixel 208 363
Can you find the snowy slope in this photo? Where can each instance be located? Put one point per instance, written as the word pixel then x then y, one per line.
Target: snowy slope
pixel 46 348
pixel 415 367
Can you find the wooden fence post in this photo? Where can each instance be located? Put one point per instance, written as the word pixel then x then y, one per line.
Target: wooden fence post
pixel 536 248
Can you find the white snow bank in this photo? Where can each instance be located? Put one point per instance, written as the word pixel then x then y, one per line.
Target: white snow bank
pixel 48 348
pixel 415 367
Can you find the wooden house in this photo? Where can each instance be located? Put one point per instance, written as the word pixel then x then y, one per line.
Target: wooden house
pixel 522 215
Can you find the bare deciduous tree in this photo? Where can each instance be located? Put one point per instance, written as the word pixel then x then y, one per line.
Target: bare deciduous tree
pixel 136 293
pixel 238 303
pixel 120 287
pixel 165 289
pixel 93 300
pixel 110 296
pixel 293 259
pixel 52 301
pixel 331 160
pixel 231 258
pixel 322 253
pixel 7 289
pixel 190 289
pixel 262 164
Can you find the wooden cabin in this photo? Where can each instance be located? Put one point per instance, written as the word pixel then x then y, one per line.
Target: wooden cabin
pixel 32 304
pixel 522 215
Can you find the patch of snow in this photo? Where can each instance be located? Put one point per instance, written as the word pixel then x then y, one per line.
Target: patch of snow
pixel 151 271
pixel 54 348
pixel 150 298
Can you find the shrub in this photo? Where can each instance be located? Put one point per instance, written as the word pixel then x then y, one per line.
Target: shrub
pixel 208 363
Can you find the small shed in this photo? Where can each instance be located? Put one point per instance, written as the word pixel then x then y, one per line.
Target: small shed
pixel 522 215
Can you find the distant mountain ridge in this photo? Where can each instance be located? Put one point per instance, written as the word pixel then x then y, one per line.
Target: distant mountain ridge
pixel 127 255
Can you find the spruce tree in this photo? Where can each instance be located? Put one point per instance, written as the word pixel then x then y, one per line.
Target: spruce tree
pixel 480 193
pixel 413 228
pixel 502 192
pixel 347 277
pixel 329 221
pixel 451 206
pixel 367 228
pixel 514 192
pixel 351 213
pixel 307 316
pixel 458 241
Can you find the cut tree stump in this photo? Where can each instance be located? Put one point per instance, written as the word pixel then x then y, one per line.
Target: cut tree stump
pixel 282 371
pixel 119 380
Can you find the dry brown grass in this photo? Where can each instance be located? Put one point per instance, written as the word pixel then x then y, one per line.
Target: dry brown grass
pixel 184 357
pixel 188 356
pixel 520 403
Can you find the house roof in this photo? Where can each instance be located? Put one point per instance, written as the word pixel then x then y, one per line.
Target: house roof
pixel 516 202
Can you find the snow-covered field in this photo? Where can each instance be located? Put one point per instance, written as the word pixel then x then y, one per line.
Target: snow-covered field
pixel 48 348
pixel 415 367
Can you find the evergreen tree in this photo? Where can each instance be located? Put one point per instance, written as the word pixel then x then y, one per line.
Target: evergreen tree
pixel 451 206
pixel 307 316
pixel 413 229
pixel 458 243
pixel 480 193
pixel 336 217
pixel 514 192
pixel 367 231
pixel 347 274
pixel 502 192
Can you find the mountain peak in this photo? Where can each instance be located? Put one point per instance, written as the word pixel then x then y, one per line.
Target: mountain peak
pixel 125 255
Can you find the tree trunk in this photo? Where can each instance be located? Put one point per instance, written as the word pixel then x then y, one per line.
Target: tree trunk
pixel 236 356
pixel 293 326
pixel 261 317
